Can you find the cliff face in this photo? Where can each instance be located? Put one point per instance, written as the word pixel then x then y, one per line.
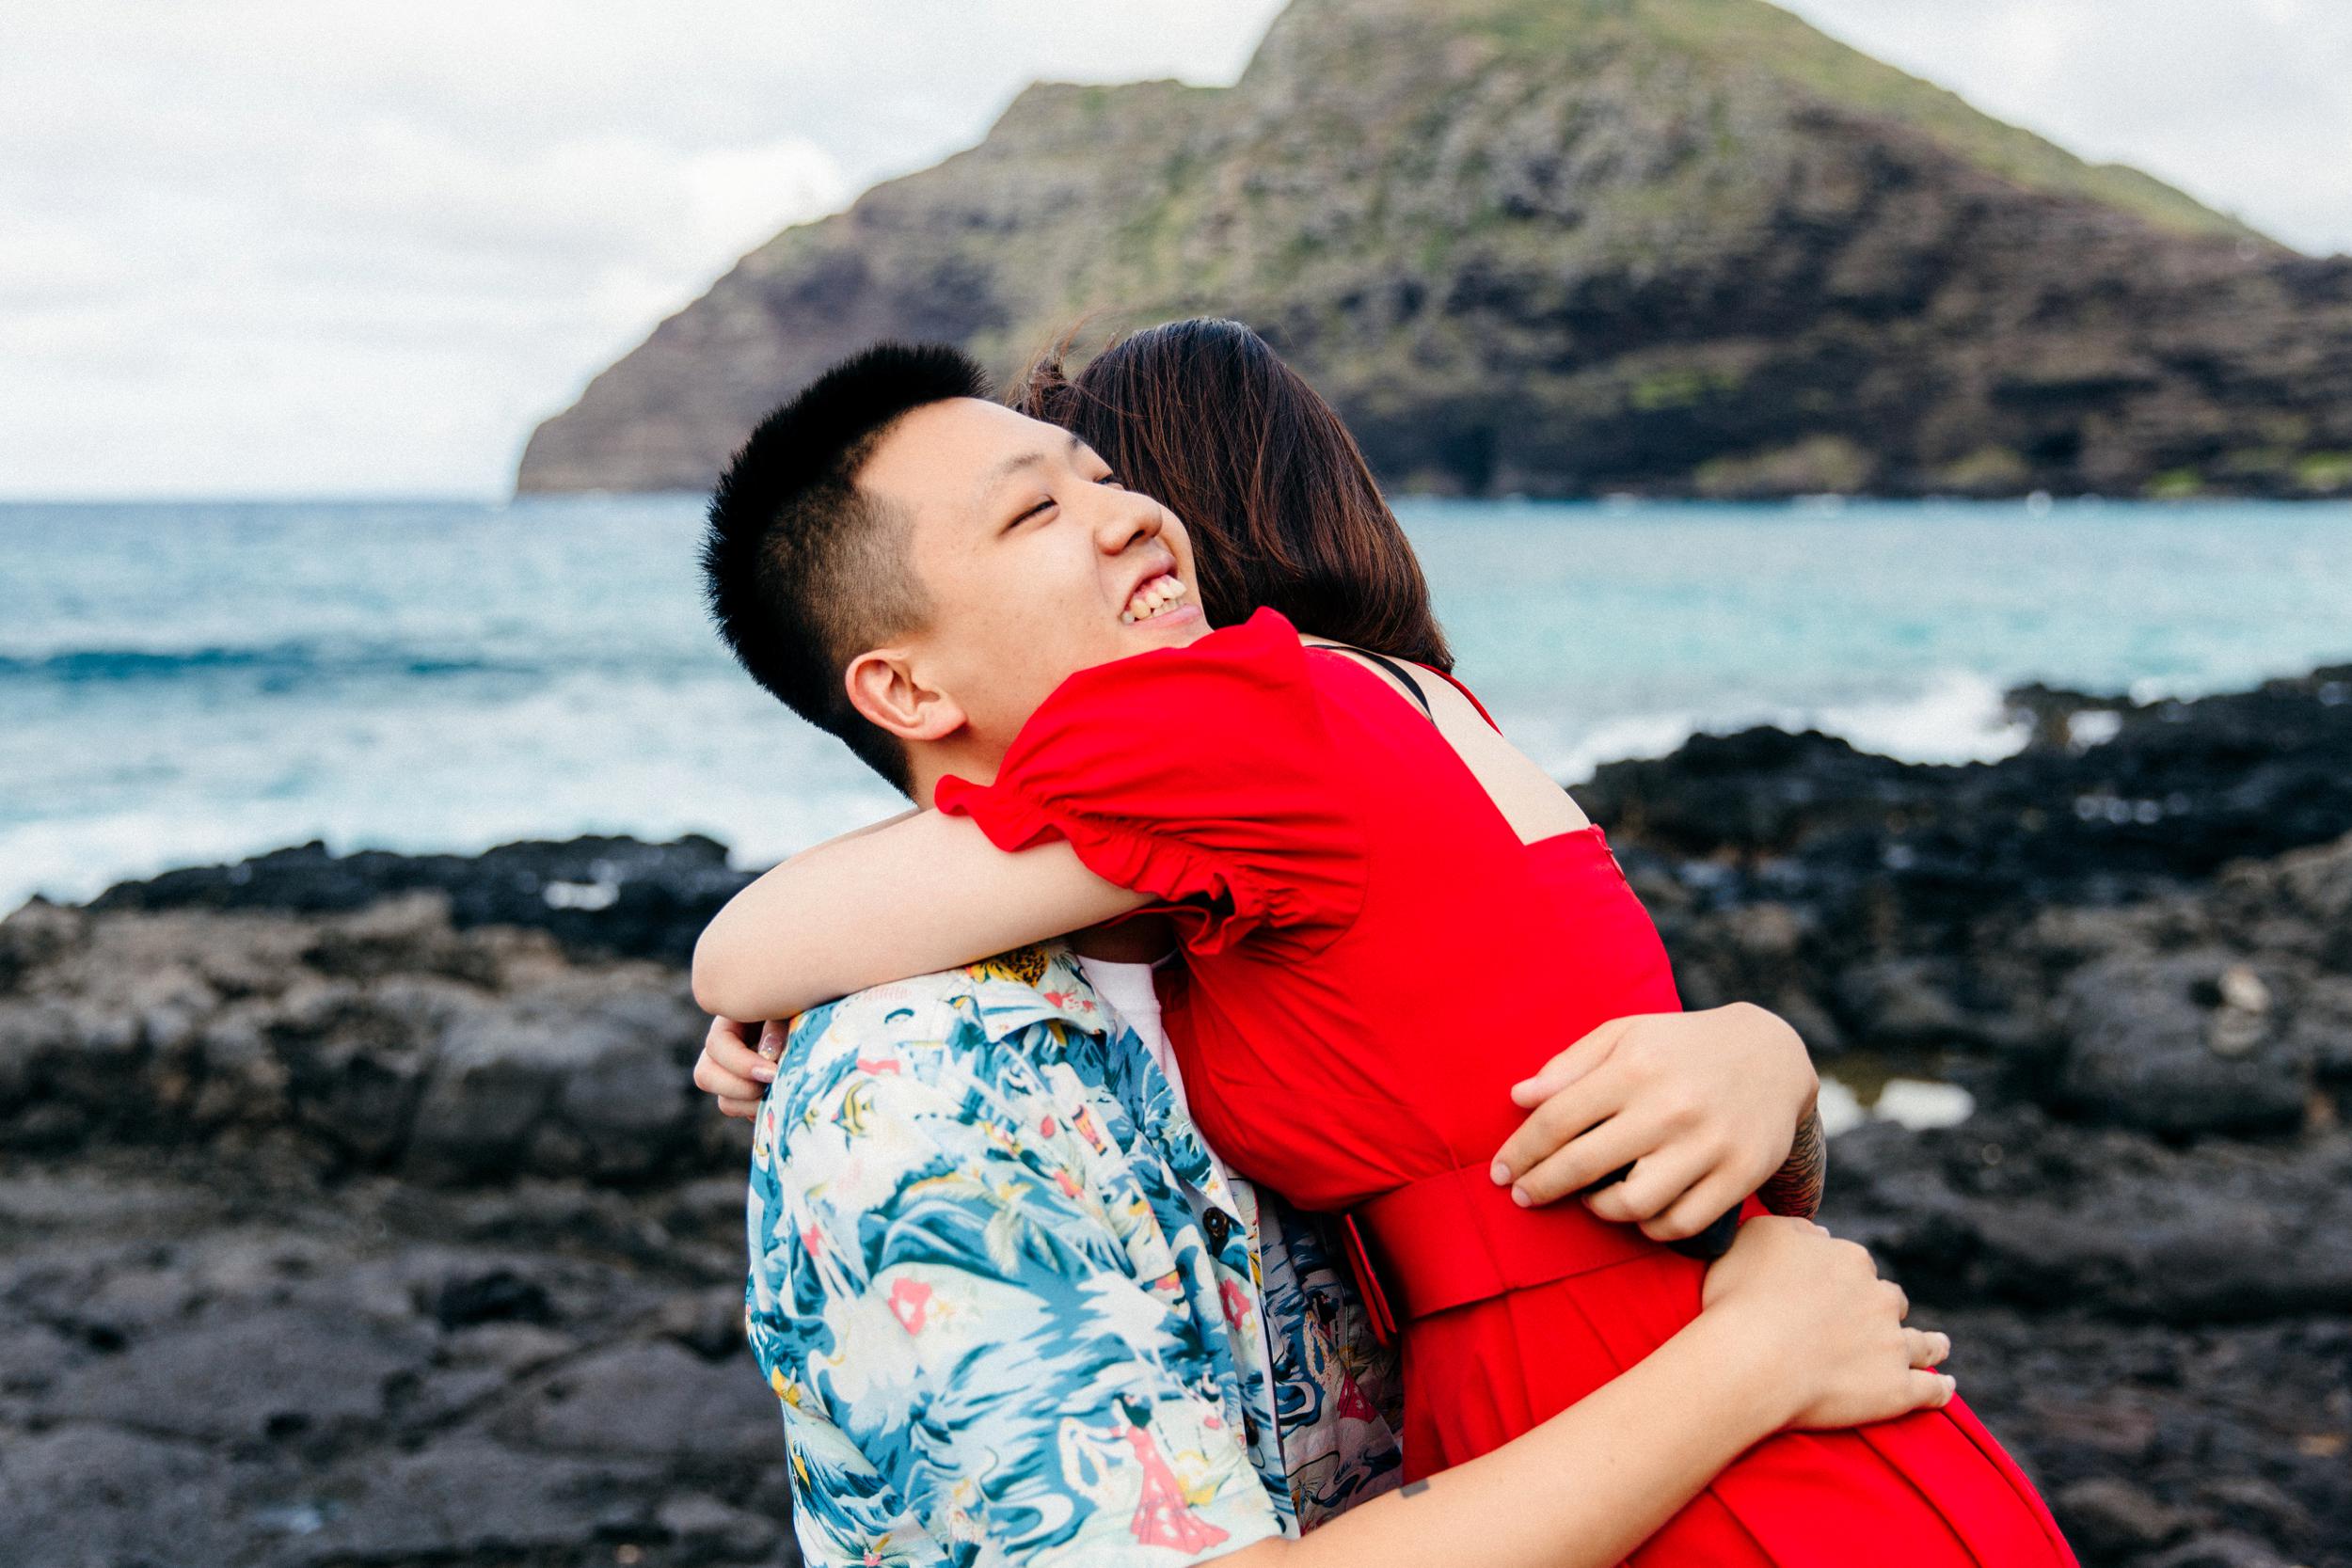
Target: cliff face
pixel 1562 247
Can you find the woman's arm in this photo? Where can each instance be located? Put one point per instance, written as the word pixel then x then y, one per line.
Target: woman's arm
pixel 1798 1331
pixel 923 892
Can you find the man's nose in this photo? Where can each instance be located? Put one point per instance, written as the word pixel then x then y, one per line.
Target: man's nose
pixel 1134 520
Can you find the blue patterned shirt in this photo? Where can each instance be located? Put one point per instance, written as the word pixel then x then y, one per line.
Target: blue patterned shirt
pixel 1011 1309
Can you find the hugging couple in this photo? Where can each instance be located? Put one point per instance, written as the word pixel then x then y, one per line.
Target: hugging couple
pixel 1243 1113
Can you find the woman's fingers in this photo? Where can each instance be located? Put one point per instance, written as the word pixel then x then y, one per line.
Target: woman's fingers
pixel 1924 1347
pixel 732 1070
pixel 714 1081
pixel 707 1072
pixel 1930 1390
pixel 729 1046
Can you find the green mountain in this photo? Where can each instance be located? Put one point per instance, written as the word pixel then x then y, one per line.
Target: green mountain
pixel 1561 247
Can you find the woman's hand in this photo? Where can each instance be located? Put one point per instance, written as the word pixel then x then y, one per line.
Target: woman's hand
pixel 1704 1106
pixel 1828 1332
pixel 738 1063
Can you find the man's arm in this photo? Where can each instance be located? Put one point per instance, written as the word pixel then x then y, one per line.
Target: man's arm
pixel 1707 1107
pixel 1796 1187
pixel 1798 1330
pixel 923 892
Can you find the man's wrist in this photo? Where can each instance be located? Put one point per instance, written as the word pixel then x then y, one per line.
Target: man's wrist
pixel 1737 1344
pixel 1796 1188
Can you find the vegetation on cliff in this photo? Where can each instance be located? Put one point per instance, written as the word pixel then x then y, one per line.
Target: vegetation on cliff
pixel 1561 248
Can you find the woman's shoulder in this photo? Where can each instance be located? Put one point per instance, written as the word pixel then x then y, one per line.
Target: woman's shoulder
pixel 1234 709
pixel 1201 775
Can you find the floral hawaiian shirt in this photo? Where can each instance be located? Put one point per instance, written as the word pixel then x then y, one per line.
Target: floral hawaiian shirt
pixel 1013 1312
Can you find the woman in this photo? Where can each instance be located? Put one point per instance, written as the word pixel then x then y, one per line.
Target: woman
pixel 1359 881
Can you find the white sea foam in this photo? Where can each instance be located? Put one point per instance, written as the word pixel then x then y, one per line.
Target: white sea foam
pixel 1958 717
pixel 461 771
pixel 1954 716
pixel 1922 1103
pixel 1915 1103
pixel 1571 757
pixel 2092 727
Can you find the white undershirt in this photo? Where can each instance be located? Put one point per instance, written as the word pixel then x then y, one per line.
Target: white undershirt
pixel 1127 987
pixel 1129 990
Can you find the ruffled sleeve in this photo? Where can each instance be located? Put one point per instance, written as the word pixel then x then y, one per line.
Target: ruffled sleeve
pixel 1201 776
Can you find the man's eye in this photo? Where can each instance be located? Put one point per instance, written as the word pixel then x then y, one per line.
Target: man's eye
pixel 1038 511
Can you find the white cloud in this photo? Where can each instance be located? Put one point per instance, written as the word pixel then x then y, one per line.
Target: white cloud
pixel 283 245
pixel 314 246
pixel 2245 104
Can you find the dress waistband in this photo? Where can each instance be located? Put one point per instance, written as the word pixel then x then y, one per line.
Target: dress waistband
pixel 1447 1240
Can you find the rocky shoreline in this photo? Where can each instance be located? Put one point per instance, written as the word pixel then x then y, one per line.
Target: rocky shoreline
pixel 357 1210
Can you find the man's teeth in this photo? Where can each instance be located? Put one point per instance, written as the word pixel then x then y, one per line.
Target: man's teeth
pixel 1152 597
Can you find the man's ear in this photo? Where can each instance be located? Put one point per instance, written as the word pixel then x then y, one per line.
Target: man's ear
pixel 883 685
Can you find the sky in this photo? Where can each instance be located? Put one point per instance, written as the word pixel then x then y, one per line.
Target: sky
pixel 312 247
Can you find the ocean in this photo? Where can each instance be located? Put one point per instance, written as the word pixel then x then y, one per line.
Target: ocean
pixel 193 682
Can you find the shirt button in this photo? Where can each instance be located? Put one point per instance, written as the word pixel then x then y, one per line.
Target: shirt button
pixel 1217 1229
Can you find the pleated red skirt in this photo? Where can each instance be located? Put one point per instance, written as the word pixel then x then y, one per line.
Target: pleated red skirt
pixel 1927 1490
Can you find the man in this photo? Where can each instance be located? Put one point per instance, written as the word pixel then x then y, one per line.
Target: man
pixel 1085 1278
pixel 1003 1291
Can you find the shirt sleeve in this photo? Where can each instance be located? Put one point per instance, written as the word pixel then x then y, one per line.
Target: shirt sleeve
pixel 1202 776
pixel 992 1349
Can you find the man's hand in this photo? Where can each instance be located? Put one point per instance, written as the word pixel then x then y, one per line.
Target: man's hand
pixel 1704 1106
pixel 736 1070
pixel 1825 1331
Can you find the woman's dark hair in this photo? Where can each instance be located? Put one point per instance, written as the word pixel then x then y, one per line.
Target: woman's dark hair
pixel 1206 418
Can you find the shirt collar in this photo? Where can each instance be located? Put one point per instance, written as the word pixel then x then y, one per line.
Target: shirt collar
pixel 1044 983
pixel 1036 984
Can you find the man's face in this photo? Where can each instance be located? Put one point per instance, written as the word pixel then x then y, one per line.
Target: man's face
pixel 1037 561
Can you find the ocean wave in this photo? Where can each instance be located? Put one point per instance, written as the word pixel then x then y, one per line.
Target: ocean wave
pixel 277 664
pixel 1950 716
pixel 1957 716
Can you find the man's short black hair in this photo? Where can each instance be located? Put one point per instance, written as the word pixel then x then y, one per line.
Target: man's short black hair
pixel 805 571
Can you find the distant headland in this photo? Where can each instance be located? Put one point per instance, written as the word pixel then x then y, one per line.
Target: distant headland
pixel 1559 247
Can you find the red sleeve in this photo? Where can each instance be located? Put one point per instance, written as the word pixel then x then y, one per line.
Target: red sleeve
pixel 1201 775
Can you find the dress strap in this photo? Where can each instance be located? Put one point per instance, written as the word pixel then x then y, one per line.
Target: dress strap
pixel 1403 677
pixel 1469 696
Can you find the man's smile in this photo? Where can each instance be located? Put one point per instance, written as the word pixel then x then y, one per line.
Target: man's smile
pixel 1156 597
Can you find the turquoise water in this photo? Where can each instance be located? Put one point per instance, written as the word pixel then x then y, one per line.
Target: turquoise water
pixel 192 682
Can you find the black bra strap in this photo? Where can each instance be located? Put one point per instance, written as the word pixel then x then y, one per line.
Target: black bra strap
pixel 1405 676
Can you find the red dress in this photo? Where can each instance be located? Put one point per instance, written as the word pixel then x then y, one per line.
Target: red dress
pixel 1374 958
